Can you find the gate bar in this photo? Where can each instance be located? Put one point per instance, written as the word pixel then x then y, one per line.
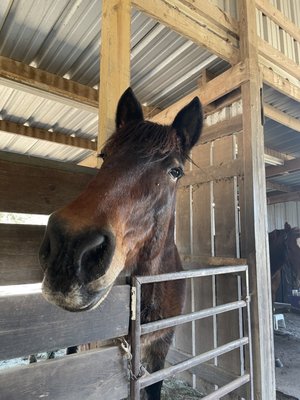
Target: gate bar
pixel 230 387
pixel 172 276
pixel 157 376
pixel 139 382
pixel 182 319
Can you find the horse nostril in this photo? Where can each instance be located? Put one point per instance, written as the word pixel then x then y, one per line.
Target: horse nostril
pixel 94 255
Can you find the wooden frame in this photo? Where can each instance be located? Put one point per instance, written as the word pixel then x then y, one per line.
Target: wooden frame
pixel 212 29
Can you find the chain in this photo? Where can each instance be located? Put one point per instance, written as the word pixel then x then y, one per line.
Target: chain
pixel 128 356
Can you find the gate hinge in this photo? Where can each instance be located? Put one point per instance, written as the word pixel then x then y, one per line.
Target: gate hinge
pixel 133 303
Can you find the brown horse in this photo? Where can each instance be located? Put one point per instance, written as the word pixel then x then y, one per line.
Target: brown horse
pixel 124 221
pixel 284 246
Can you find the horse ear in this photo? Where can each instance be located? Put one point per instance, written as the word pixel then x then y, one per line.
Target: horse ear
pixel 188 124
pixel 287 226
pixel 129 109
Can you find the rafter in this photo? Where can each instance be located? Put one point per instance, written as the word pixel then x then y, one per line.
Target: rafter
pixel 283 198
pixel 277 82
pixel 269 52
pixel 279 187
pixel 281 117
pixel 289 166
pixel 20 76
pixel 184 18
pixel 44 134
pixel 213 90
pixel 279 18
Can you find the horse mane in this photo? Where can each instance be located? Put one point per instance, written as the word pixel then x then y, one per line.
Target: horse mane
pixel 146 139
pixel 295 231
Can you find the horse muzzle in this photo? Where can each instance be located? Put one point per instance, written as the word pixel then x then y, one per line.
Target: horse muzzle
pixel 73 262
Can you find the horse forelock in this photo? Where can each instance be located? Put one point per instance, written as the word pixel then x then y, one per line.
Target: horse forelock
pixel 148 140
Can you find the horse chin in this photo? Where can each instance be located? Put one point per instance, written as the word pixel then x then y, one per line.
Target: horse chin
pixel 76 300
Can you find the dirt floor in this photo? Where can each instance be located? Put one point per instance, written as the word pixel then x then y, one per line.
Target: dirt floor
pixel 287 349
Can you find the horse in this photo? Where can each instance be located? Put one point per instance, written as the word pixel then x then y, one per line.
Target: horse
pixel 124 222
pixel 284 249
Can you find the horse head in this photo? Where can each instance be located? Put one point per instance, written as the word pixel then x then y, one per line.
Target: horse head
pixel 124 215
pixel 292 238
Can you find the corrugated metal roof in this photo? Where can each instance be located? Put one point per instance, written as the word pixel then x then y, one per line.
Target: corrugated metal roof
pixel 62 37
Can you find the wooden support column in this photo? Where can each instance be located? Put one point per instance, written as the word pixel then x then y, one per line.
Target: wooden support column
pixel 254 210
pixel 114 62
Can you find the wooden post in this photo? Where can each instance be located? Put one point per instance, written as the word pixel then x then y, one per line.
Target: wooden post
pixel 114 62
pixel 254 210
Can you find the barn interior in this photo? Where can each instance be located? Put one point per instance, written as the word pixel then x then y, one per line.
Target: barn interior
pixel 63 66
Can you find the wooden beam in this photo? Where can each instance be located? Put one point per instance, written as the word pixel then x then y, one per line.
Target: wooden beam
pixel 44 134
pixel 67 378
pixel 20 76
pixel 185 19
pixel 277 154
pixel 213 90
pixel 283 198
pixel 49 327
pixel 279 187
pixel 215 15
pixel 279 18
pixel 288 167
pixel 269 52
pixel 221 129
pixel 253 205
pixel 277 82
pixel 114 62
pixel 191 261
pixel 224 171
pixel 281 117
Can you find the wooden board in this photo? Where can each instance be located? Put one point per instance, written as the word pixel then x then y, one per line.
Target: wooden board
pixel 254 212
pixel 19 251
pixel 29 324
pixel 96 375
pixel 32 185
pixel 225 246
pixel 202 234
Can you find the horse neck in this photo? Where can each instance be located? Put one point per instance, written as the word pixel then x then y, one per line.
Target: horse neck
pixel 277 247
pixel 167 260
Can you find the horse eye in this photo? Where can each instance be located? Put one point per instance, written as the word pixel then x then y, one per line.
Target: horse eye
pixel 176 172
pixel 101 155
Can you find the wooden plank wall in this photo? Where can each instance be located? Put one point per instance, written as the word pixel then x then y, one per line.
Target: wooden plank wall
pixel 32 186
pixel 29 324
pixel 207 231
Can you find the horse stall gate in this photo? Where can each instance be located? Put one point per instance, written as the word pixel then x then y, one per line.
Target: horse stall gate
pixel 29 324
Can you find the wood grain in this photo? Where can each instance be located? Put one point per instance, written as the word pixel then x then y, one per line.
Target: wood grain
pixel 19 251
pixel 93 375
pixel 32 185
pixel 29 324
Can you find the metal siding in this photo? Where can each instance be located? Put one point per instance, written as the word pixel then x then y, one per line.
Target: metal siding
pixel 279 214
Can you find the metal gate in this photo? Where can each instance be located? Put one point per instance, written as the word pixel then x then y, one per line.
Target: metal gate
pixel 242 304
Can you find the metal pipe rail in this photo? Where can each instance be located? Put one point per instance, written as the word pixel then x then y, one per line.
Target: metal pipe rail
pixel 137 330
